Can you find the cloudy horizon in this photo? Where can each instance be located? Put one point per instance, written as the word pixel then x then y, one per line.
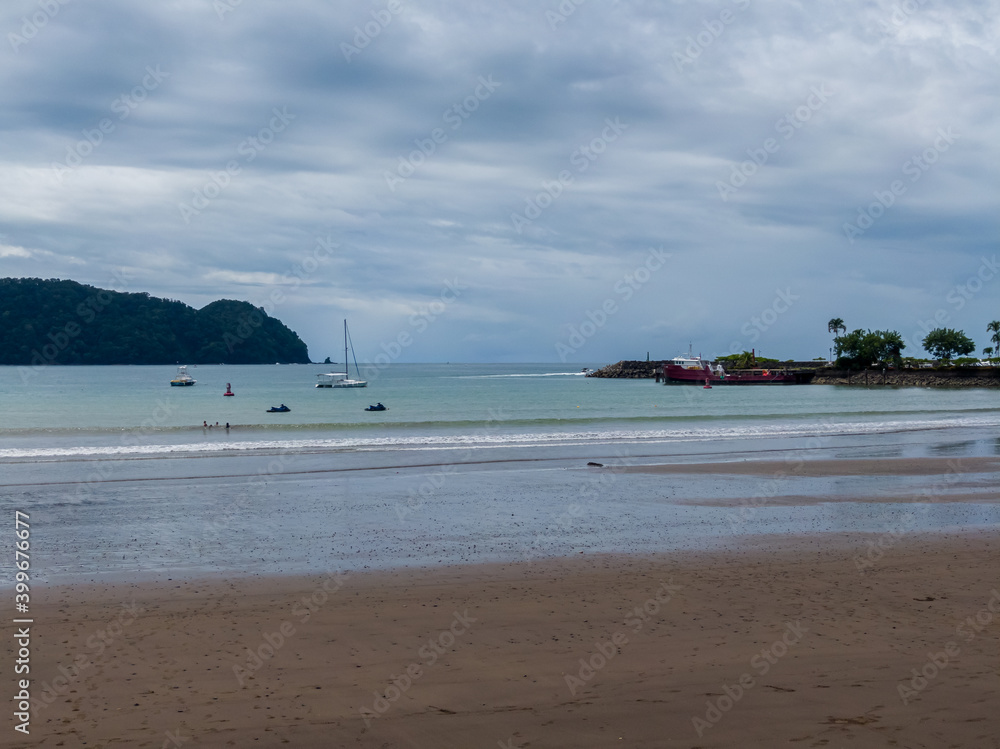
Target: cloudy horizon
pixel 564 181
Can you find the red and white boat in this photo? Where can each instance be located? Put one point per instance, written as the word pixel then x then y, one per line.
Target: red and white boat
pixel 693 370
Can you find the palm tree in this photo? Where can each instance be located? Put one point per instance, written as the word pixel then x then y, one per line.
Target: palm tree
pixel 836 326
pixel 994 328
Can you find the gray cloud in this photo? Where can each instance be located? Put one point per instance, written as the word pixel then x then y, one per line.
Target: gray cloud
pixel 117 114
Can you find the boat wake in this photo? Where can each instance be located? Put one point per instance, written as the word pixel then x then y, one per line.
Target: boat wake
pixel 502 376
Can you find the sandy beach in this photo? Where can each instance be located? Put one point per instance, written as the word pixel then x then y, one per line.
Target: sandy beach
pixel 843 596
pixel 841 641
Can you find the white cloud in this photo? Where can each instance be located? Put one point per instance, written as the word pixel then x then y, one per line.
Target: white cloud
pixel 8 251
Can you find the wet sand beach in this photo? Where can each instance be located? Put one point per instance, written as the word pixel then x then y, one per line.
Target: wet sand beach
pixel 826 467
pixel 167 517
pixel 791 642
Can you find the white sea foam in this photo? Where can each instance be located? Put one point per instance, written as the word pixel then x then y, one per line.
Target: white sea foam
pixel 485 439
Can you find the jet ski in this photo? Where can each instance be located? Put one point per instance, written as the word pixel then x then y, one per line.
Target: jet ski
pixel 376 407
pixel 278 409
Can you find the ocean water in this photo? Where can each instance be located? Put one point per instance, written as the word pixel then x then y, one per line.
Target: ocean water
pixel 120 411
pixel 469 463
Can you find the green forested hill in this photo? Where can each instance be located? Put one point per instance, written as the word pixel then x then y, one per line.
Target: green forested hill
pixel 65 322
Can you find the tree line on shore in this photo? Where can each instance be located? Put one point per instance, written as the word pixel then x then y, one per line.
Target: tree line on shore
pixel 883 348
pixel 57 321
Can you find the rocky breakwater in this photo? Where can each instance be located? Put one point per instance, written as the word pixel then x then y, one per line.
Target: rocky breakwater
pixel 629 370
pixel 952 377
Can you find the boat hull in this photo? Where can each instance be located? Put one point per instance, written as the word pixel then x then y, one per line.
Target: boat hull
pixel 676 375
pixel 343 384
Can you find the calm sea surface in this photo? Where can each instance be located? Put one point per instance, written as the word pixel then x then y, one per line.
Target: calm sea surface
pixel 62 411
pixel 469 463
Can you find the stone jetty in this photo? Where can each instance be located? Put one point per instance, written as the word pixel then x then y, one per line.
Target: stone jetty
pixel 629 370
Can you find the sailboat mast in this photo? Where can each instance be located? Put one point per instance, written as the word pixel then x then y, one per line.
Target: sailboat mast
pixel 346 364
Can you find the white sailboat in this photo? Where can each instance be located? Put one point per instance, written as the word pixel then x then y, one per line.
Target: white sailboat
pixel 341 379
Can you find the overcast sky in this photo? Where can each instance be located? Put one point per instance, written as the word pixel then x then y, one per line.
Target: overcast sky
pixel 514 181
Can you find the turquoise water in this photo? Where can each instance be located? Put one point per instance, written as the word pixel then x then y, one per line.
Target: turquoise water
pixel 123 410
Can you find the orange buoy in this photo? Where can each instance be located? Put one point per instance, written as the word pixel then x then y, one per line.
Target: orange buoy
pixel 229 390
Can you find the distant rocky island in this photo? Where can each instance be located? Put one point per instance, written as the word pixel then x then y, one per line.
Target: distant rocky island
pixel 64 322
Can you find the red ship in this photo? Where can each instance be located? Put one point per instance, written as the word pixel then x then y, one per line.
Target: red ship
pixel 693 370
